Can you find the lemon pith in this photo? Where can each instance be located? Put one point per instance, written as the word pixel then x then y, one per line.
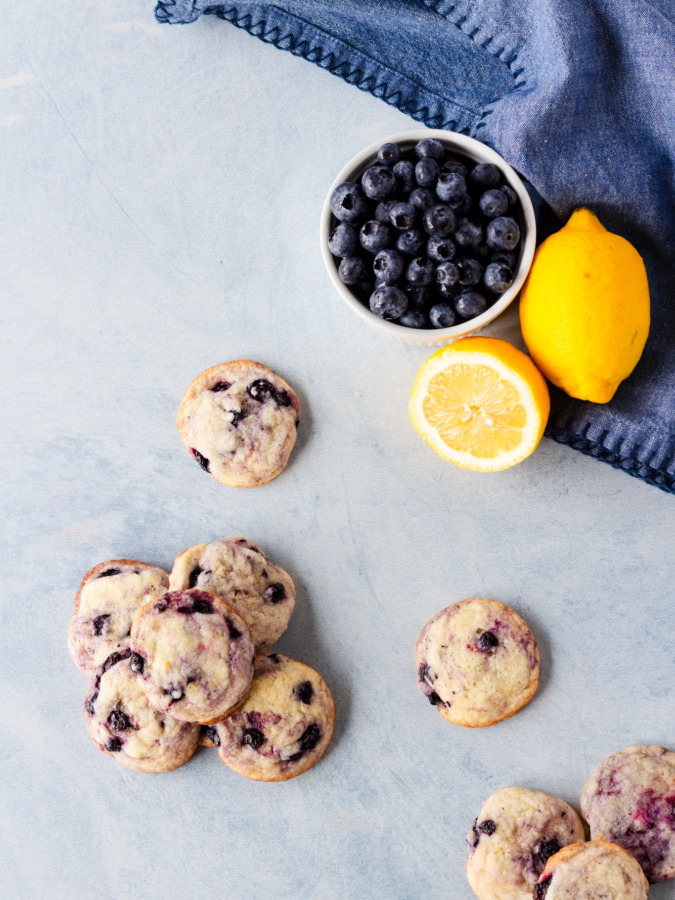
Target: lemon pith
pixel 480 403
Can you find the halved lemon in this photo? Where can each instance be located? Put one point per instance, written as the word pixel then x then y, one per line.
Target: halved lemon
pixel 480 403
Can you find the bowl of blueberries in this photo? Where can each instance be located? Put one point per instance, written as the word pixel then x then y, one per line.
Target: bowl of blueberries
pixel 428 235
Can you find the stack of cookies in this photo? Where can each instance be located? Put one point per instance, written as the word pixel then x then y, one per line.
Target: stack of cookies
pixel 181 659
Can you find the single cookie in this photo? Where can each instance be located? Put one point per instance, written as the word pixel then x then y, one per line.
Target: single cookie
pixel 284 726
pixel 239 573
pixel 478 662
pixel 239 421
pixel 597 870
pixel 123 724
pixel 105 606
pixel 510 842
pixel 194 654
pixel 630 800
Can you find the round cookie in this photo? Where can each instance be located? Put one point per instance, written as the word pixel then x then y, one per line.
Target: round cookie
pixel 123 724
pixel 478 662
pixel 240 573
pixel 284 726
pixel 510 842
pixel 194 655
pixel 598 870
pixel 105 606
pixel 239 420
pixel 630 800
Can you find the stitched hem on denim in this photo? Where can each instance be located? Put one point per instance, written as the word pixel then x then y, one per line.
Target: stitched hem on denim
pixel 656 477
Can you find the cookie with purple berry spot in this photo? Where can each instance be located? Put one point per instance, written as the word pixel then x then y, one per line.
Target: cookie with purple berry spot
pixel 194 655
pixel 630 800
pixel 105 606
pixel 597 870
pixel 239 572
pixel 285 725
pixel 516 832
pixel 239 420
pixel 124 725
pixel 478 662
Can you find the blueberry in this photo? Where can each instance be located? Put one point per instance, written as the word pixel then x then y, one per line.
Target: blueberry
pixel 304 692
pixel 378 183
pixel 470 270
pixel 470 304
pixel 420 271
pixel 347 202
pixel 274 593
pixel 414 318
pixel 423 672
pixel 308 741
pixel 234 632
pixel 418 296
pixel 108 572
pixel 442 315
pixel 503 233
pixel 118 720
pixel 433 697
pixel 402 215
pixel 485 175
pixel 548 849
pixel 252 737
pixel 505 256
pixel 382 210
pixel 493 203
pixel 388 302
pixel 468 234
pixel 344 241
pixel 487 827
pixel 509 193
pixel 541 889
pixel 388 266
pixel 202 460
pixel 404 172
pixel 451 187
pixel 136 663
pixel 211 732
pixel 261 389
pixel 389 154
pixel 498 277
pixel 282 399
pixel 488 641
pixel 423 198
pixel 445 292
pixel 427 172
pixel 99 622
pixel 440 248
pixel 225 385
pixel 352 269
pixel 429 148
pixel 454 165
pixel 200 605
pixel 194 576
pixel 114 745
pixel 447 273
pixel 482 253
pixel 410 242
pixel 462 206
pixel 439 219
pixel 375 236
pixel 89 703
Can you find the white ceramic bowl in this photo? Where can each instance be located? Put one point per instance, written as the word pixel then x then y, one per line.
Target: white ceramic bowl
pixel 463 146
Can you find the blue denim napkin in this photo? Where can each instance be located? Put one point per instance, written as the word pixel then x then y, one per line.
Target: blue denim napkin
pixel 578 95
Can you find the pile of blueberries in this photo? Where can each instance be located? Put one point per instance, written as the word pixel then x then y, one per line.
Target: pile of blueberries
pixel 427 239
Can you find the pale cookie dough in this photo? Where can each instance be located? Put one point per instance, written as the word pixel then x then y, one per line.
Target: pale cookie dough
pixel 122 723
pixel 284 726
pixel 240 573
pixel 510 842
pixel 630 800
pixel 239 421
pixel 194 654
pixel 478 662
pixel 105 606
pixel 597 870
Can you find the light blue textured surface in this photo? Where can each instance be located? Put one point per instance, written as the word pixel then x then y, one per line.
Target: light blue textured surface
pixel 142 241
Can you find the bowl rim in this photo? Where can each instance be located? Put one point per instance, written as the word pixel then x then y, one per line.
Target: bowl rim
pixel 475 150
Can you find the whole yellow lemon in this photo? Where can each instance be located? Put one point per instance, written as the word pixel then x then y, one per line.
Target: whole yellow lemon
pixel 584 309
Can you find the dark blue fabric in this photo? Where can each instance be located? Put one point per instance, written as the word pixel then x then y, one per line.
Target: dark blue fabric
pixel 578 95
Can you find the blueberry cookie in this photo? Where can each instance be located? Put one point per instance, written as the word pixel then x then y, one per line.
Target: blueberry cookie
pixel 510 842
pixel 478 662
pixel 240 573
pixel 105 606
pixel 239 421
pixel 630 800
pixel 597 870
pixel 284 726
pixel 194 654
pixel 122 723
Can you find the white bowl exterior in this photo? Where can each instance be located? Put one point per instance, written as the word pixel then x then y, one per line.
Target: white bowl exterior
pixel 476 151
